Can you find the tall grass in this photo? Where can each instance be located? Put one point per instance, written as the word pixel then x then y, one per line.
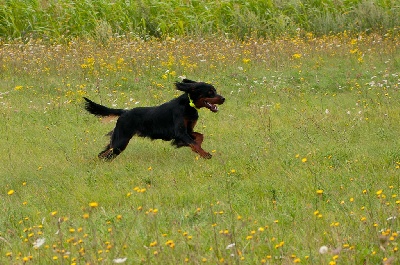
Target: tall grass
pixel 305 153
pixel 54 20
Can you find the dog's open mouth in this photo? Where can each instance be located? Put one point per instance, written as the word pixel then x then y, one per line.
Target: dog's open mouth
pixel 210 106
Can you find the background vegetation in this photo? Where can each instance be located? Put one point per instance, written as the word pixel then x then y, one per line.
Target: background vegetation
pixel 306 158
pixel 54 20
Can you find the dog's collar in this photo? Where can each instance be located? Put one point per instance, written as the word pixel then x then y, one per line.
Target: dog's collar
pixel 191 103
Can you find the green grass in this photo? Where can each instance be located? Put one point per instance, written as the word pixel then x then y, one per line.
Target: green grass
pixel 54 20
pixel 305 153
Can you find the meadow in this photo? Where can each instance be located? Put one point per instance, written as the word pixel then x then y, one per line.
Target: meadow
pixel 305 165
pixel 306 157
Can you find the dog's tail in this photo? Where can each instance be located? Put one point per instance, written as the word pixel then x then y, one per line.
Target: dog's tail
pixel 100 110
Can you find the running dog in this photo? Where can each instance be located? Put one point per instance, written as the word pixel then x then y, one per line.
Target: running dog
pixel 172 121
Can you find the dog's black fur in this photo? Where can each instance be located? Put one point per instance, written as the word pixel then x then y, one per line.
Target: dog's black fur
pixel 173 120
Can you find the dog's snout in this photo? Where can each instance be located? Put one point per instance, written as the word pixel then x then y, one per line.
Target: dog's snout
pixel 222 99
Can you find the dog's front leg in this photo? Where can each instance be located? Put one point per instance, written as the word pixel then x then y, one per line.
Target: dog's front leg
pixel 197 149
pixel 194 141
pixel 198 139
pixel 195 144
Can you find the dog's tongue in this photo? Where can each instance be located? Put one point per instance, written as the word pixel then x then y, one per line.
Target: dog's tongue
pixel 211 107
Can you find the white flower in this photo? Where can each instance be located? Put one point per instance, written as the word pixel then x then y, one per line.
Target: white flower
pixel 39 242
pixel 323 250
pixel 119 260
pixel 230 246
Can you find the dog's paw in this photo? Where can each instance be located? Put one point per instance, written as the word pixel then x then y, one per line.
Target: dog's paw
pixel 206 155
pixel 107 155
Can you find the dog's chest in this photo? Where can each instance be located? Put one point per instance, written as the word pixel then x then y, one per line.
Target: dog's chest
pixel 190 121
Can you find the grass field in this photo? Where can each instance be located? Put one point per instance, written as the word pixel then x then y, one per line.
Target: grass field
pixel 305 165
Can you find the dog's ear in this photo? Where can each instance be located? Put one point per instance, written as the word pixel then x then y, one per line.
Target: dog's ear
pixel 188 81
pixel 185 86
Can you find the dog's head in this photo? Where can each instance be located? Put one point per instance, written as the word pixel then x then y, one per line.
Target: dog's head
pixel 201 94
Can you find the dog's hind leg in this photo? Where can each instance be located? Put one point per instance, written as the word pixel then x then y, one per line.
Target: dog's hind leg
pixel 107 153
pixel 117 144
pixel 114 149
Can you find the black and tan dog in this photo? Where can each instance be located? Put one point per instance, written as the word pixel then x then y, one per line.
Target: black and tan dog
pixel 173 120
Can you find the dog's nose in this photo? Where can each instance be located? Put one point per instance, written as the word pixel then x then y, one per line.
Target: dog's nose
pixel 223 99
